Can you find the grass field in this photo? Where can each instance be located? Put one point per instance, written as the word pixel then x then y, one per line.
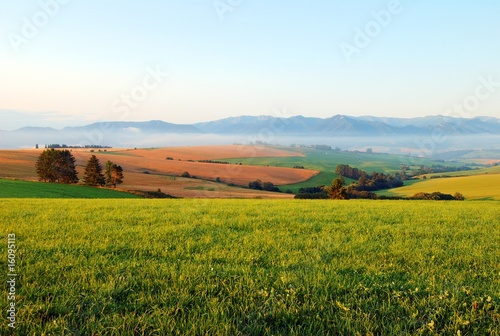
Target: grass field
pixel 252 267
pixel 27 189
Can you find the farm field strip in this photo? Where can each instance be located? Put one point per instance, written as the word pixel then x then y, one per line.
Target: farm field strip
pixel 473 187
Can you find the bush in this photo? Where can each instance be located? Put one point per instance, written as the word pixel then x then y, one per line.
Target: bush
pixel 435 196
pixel 186 174
pixel 156 194
pixel 269 186
pixel 257 185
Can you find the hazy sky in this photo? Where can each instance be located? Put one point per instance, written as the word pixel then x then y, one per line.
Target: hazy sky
pixel 72 62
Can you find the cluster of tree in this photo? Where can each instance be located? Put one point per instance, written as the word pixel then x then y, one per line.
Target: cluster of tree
pixel 374 181
pixel 58 166
pixel 348 171
pixel 66 146
pixel 212 161
pixel 437 196
pixel 94 176
pixel 441 169
pixel 338 191
pixel 114 174
pixel 312 193
pixel 259 185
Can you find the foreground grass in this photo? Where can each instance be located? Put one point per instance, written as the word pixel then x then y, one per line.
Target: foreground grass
pixel 247 267
pixel 28 189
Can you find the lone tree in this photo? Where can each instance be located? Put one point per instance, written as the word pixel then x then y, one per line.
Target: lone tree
pixel 56 167
pixel 93 173
pixel 337 190
pixel 67 171
pixel 114 174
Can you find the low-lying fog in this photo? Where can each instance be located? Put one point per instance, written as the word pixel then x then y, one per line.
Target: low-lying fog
pixel 414 145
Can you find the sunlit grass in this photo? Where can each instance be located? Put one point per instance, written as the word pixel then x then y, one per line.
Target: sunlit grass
pixel 248 267
pixel 474 187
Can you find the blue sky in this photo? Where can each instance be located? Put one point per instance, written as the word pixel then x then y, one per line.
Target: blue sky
pixel 228 58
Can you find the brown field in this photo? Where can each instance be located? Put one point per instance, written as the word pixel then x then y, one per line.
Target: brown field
pixel 148 169
pixel 192 188
pixel 210 152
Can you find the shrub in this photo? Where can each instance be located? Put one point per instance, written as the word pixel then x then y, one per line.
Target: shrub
pixel 186 174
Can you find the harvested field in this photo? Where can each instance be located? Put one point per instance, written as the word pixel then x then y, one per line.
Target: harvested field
pixel 18 164
pixel 192 188
pixel 154 161
pixel 214 152
pixel 149 169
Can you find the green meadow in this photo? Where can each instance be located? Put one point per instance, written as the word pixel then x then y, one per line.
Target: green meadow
pixel 326 161
pixel 253 267
pixel 28 189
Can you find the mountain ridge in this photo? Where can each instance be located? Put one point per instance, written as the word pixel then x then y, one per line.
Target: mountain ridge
pixel 337 125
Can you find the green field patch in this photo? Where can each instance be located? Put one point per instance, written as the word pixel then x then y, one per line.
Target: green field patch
pixel 28 189
pixel 327 161
pixel 253 267
pixel 315 181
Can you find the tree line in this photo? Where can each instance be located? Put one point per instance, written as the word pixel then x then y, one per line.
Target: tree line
pixel 58 166
pixel 364 187
pixel 371 182
pixel 266 186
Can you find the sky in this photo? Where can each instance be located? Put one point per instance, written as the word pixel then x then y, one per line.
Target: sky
pixel 72 62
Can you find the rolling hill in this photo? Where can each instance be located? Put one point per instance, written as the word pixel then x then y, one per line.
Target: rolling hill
pixel 473 187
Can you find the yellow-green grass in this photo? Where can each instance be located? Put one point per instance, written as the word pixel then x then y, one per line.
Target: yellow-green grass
pixel 474 187
pixel 253 267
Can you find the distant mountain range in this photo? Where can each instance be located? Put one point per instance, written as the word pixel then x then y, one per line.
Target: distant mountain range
pixel 336 126
pixel 341 125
